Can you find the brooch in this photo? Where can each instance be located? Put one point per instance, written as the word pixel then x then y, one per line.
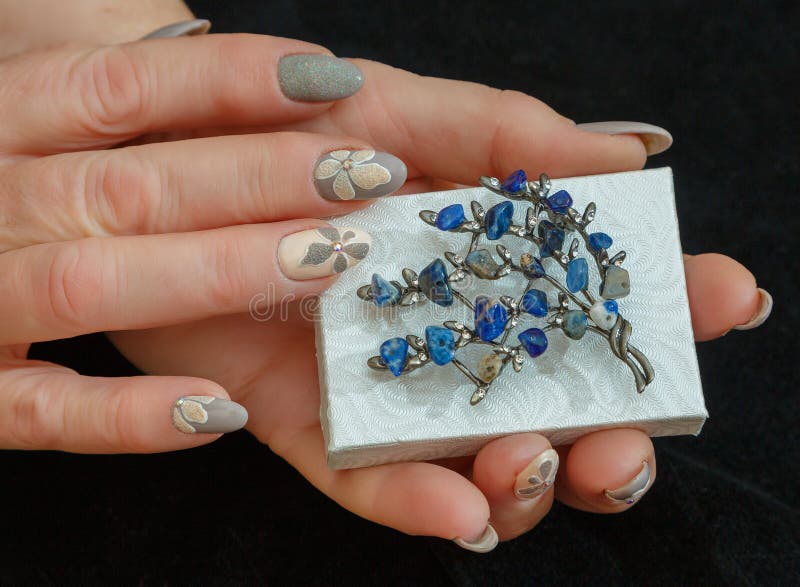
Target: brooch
pixel 549 219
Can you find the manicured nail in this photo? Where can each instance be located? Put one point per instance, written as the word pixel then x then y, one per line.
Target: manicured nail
pixel 633 489
pixel 538 476
pixel 761 315
pixel 656 139
pixel 358 175
pixel 484 543
pixel 184 28
pixel 321 252
pixel 208 414
pixel 318 78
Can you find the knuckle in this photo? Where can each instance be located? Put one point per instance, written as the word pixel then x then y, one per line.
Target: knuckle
pixel 113 86
pixel 72 284
pixel 120 429
pixel 225 284
pixel 122 193
pixel 37 420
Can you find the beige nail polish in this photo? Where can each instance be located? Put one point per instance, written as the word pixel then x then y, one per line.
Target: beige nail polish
pixel 538 476
pixel 761 315
pixel 633 489
pixel 321 252
pixel 656 139
pixel 484 543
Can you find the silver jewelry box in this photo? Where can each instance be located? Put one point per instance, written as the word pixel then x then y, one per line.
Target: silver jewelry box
pixel 370 417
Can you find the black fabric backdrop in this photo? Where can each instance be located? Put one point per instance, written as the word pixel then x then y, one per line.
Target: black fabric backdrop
pixel 725 507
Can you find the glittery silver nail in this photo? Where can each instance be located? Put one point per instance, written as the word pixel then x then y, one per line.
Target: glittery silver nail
pixel 318 78
pixel 207 414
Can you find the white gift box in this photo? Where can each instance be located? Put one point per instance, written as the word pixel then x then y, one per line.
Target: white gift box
pixel 577 386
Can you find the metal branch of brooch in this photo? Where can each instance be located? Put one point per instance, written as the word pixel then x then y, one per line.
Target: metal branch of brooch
pixel 549 219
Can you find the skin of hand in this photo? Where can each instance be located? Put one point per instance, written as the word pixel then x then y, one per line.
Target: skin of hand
pixel 208 254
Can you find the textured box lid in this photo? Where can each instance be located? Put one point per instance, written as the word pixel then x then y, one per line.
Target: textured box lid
pixel 370 417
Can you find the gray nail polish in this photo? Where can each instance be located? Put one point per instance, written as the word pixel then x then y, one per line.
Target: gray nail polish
pixel 656 139
pixel 484 543
pixel 358 175
pixel 761 315
pixel 207 414
pixel 318 78
pixel 633 489
pixel 538 476
pixel 186 28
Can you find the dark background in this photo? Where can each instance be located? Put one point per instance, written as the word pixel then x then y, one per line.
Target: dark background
pixel 720 77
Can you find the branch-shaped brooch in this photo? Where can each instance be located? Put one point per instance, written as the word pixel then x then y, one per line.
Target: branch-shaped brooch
pixel 549 218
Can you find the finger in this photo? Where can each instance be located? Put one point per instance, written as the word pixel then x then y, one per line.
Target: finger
pixel 415 498
pixel 191 185
pixel 58 290
pixel 606 471
pixel 70 99
pixel 516 473
pixel 45 407
pixel 458 130
pixel 723 295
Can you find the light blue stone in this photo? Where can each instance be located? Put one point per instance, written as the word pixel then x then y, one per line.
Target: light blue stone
pixel 577 275
pixel 531 266
pixel 433 283
pixel 498 219
pixel 491 318
pixel 383 292
pixel 574 324
pixel 515 182
pixel 599 240
pixel 560 202
pixel 393 353
pixel 616 283
pixel 534 340
pixel 450 217
pixel 482 264
pixel 552 238
pixel 441 344
pixel 535 302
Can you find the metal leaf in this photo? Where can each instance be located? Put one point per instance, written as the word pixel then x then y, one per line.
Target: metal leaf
pixel 455 326
pixel 491 183
pixel 503 252
pixel 530 219
pixel 618 258
pixel 377 363
pixel 588 214
pixel 415 342
pixel 478 396
pixel 365 292
pixel 456 276
pixel 573 248
pixel 455 260
pixel 428 216
pixel 409 298
pixel 477 210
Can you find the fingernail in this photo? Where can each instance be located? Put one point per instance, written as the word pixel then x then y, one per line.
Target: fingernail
pixel 538 476
pixel 207 414
pixel 656 139
pixel 318 78
pixel 186 28
pixel 633 489
pixel 761 315
pixel 321 252
pixel 483 543
pixel 358 175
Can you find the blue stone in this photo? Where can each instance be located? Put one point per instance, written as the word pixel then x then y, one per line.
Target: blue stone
pixel 616 283
pixel 383 292
pixel 531 266
pixel 599 240
pixel 535 302
pixel 450 217
pixel 441 344
pixel 515 182
pixel 433 283
pixel 498 219
pixel 560 202
pixel 482 264
pixel 577 275
pixel 552 238
pixel 491 318
pixel 394 352
pixel 534 341
pixel 574 324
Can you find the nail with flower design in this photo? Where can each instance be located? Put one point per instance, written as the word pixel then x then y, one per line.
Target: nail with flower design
pixel 320 252
pixel 358 175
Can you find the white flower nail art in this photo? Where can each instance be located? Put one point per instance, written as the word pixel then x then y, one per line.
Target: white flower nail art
pixel 352 167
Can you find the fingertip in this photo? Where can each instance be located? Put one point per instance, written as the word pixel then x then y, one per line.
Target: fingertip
pixel 498 464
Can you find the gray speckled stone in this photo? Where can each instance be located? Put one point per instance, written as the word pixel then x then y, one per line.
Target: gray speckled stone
pixel 616 284
pixel 360 174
